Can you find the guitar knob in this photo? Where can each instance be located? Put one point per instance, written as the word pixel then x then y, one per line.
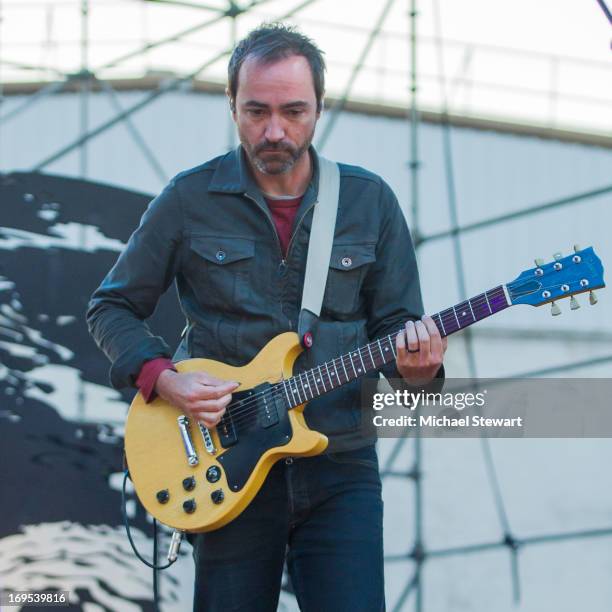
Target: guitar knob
pixel 213 473
pixel 558 256
pixel 554 309
pixel 592 298
pixel 539 262
pixel 577 248
pixel 163 496
pixel 217 496
pixel 574 305
pixel 189 506
pixel 189 483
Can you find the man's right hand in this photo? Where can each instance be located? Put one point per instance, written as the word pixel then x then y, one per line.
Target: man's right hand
pixel 198 394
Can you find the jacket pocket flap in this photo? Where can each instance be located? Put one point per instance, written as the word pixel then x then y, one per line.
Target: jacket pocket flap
pixel 350 256
pixel 223 249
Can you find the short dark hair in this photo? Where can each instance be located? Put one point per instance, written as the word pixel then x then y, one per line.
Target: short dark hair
pixel 271 42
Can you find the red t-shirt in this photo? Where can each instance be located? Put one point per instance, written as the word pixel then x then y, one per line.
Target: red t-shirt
pixel 283 213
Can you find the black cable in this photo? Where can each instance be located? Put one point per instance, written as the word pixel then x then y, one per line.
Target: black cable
pixel 155 577
pixel 153 566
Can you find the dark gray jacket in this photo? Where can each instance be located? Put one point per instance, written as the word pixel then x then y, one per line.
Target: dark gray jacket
pixel 212 233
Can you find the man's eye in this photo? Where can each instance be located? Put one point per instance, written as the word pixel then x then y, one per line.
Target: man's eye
pixel 255 112
pixel 295 112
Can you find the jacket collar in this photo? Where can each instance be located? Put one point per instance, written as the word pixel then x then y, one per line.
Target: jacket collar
pixel 233 175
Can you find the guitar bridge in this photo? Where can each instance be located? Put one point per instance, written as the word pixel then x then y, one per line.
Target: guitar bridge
pixel 209 445
pixel 192 456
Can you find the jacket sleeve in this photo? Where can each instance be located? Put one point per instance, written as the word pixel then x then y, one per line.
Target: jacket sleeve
pixel 130 291
pixel 392 286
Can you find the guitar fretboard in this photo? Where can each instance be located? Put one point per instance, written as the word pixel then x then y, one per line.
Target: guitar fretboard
pixel 332 374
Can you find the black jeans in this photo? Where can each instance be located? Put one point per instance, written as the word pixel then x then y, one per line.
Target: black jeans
pixel 325 513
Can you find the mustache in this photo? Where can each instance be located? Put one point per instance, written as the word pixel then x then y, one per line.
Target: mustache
pixel 273 146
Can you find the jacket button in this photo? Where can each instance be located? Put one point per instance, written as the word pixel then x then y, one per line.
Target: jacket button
pixel 220 255
pixel 347 262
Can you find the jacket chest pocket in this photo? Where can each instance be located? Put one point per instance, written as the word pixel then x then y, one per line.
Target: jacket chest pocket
pixel 221 269
pixel 348 266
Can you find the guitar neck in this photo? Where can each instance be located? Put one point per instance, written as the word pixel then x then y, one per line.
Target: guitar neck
pixel 373 356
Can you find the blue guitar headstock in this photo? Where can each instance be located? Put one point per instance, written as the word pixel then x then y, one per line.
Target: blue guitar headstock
pixel 563 277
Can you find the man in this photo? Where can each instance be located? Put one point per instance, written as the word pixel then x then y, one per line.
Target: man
pixel 233 233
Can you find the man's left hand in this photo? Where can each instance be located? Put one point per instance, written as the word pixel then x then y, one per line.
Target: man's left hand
pixel 420 351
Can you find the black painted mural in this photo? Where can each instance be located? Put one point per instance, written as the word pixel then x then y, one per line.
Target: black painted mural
pixel 61 424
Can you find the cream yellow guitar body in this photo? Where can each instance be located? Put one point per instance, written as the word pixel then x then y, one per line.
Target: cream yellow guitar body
pixel 188 496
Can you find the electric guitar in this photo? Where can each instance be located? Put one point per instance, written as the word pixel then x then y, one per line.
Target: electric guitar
pixel 194 478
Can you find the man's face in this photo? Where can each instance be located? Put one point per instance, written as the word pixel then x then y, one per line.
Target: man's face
pixel 275 112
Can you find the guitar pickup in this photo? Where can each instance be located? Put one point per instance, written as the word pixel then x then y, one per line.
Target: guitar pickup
pixel 267 410
pixel 226 432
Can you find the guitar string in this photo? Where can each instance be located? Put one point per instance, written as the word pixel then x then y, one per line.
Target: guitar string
pixel 246 405
pixel 248 411
pixel 448 316
pixel 247 408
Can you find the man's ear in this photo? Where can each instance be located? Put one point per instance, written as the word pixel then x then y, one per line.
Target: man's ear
pixel 232 102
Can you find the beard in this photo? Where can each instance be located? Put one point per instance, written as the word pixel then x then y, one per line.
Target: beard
pixel 275 157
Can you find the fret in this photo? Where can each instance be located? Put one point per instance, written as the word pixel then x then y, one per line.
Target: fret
pixel 336 370
pixel 471 309
pixel 489 305
pixel 361 359
pixel 322 380
pixel 344 368
pixel 310 386
pixel 382 356
pixel 479 306
pixel 464 322
pixel 287 394
pixel 300 400
pixel 331 383
pixel 314 381
pixel 456 318
pixel 306 387
pixel 351 360
pixel 371 356
pixel 448 315
pixel 442 324
pixel 392 345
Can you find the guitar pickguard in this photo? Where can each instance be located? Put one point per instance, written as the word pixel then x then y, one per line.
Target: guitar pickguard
pixel 259 421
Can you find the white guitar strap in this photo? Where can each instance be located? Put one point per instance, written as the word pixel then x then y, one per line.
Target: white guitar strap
pixel 319 246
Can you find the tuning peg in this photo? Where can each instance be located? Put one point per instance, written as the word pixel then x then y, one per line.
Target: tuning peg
pixel 592 298
pixel 539 262
pixel 574 305
pixel 577 248
pixel 557 256
pixel 554 309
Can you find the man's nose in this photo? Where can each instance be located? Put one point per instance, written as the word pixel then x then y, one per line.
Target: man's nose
pixel 275 130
